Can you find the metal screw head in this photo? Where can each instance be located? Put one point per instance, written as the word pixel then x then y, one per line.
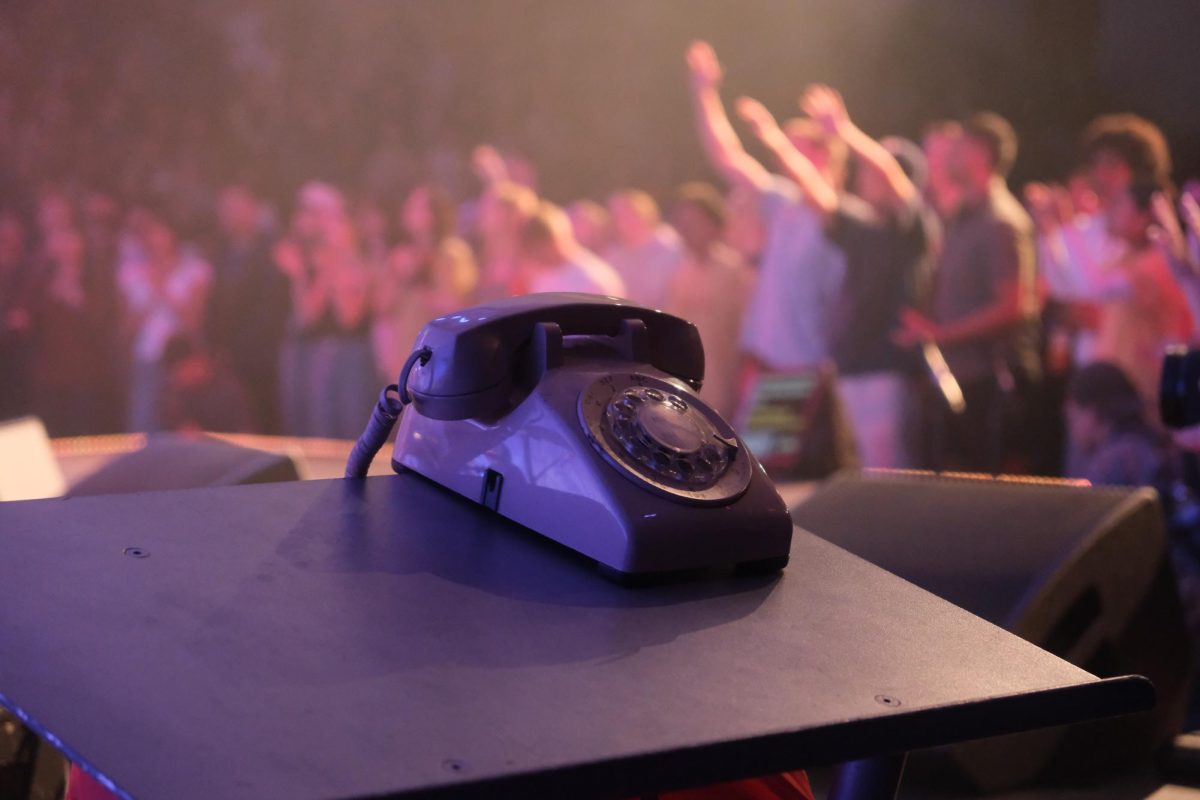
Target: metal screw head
pixel 887 700
pixel 136 552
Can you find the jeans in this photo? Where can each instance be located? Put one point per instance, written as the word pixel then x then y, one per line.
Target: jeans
pixel 327 386
pixel 145 396
pixel 876 403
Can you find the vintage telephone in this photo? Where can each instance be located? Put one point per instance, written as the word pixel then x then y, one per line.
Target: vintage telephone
pixel 576 415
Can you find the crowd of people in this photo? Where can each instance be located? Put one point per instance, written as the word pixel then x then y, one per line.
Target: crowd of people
pixel 903 264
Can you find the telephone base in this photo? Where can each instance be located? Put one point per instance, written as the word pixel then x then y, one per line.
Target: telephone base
pixel 634 580
pixel 763 566
pixel 595 448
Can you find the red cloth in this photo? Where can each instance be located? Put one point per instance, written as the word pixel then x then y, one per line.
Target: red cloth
pixel 81 786
pixel 785 786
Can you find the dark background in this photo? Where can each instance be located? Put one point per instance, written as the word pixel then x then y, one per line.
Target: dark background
pixel 162 96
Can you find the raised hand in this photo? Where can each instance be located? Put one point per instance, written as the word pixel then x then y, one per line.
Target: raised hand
pixel 488 164
pixel 1049 205
pixel 1190 209
pixel 703 66
pixel 826 107
pixel 756 116
pixel 1167 234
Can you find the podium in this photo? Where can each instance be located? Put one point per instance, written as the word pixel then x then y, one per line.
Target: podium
pixel 385 638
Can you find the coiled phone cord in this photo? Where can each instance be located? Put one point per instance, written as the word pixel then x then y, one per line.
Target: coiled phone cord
pixel 383 419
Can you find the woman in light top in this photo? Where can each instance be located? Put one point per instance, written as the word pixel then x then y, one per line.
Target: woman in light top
pixel 553 261
pixel 431 272
pixel 325 365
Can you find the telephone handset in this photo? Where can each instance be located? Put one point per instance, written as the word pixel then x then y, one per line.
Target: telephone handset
pixel 577 416
pixel 478 354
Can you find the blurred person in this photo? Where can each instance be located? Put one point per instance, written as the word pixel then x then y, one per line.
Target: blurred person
pixel 881 230
pixel 201 392
pixel 744 229
pixel 985 301
pixel 371 222
pixel 1140 306
pixel 504 210
pixel 1143 308
pixel 16 295
pixel 942 190
pixel 249 303
pixel 1084 200
pixel 591 224
pixel 710 288
pixel 165 292
pixel 1069 322
pixel 100 219
pixel 431 272
pixel 54 212
pixel 1075 248
pixel 787 323
pixel 326 370
pixel 646 252
pixel 1112 441
pixel 1182 250
pixel 521 170
pixel 552 261
pixel 73 334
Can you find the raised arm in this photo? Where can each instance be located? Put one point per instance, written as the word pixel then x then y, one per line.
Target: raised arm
pixel 816 190
pixel 488 165
pixel 828 109
pixel 721 143
pixel 1182 249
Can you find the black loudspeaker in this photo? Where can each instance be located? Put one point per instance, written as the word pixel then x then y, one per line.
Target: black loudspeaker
pixel 174 461
pixel 1081 572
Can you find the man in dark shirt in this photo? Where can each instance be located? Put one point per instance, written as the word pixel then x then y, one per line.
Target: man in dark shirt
pixel 985 300
pixel 881 229
pixel 885 232
pixel 248 308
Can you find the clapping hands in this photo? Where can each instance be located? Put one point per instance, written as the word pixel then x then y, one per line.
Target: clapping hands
pixel 1049 205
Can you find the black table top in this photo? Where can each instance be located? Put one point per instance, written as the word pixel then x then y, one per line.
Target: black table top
pixel 360 638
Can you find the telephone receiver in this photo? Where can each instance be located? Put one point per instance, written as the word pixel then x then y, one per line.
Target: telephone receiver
pixel 577 416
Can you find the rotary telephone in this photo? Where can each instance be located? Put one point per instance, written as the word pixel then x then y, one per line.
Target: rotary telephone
pixel 576 415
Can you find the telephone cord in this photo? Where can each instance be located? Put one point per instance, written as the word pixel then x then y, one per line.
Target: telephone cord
pixel 383 418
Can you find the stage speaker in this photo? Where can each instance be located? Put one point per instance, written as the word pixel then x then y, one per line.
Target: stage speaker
pixel 1081 572
pixel 28 469
pixel 177 461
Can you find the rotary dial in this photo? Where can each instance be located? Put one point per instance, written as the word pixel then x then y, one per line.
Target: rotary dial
pixel 664 438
